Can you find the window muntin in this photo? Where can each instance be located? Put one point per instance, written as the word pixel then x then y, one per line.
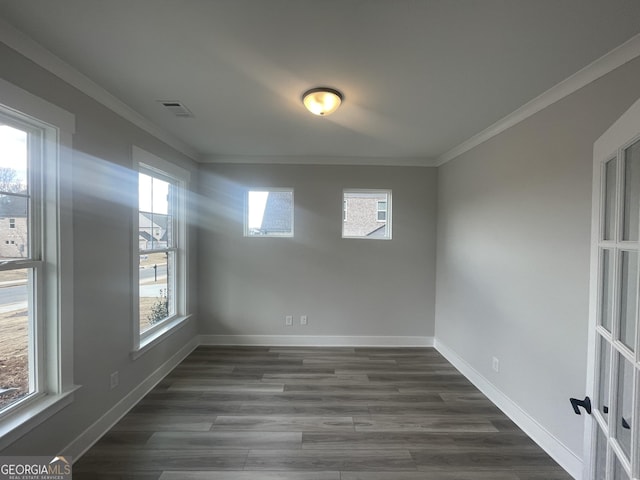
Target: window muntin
pixel 369 214
pixel 269 213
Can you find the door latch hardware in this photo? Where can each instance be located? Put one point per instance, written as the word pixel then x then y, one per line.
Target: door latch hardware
pixel 586 404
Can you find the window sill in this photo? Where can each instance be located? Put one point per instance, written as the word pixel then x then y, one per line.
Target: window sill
pixel 24 419
pixel 170 327
pixel 366 238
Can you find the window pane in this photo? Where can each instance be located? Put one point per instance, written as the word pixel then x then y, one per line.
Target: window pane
pixel 14 227
pixel 601 454
pixel 14 200
pixel 624 395
pixel 604 381
pixel 14 341
pixel 619 472
pixel 269 213
pixel 610 199
pixel 368 214
pixel 606 312
pixel 631 208
pixel 156 300
pixel 13 161
pixel 628 298
pixel 155 217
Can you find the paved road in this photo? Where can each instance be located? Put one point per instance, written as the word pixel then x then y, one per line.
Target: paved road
pixel 148 274
pixel 13 294
pixel 14 297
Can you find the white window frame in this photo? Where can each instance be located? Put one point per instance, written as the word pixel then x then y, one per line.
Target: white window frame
pixel 388 193
pixel 246 211
pixel 53 232
pixel 150 164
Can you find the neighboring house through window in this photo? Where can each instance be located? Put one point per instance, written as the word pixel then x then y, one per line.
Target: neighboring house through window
pixel 366 214
pixel 269 213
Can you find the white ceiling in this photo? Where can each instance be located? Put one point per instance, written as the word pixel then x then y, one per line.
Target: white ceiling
pixel 419 76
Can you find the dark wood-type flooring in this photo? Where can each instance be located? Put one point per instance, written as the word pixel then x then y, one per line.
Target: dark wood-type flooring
pixel 261 413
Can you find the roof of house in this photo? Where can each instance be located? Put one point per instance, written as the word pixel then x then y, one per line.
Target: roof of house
pixel 277 213
pixel 153 220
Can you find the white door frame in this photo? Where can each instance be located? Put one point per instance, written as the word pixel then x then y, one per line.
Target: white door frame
pixel 623 132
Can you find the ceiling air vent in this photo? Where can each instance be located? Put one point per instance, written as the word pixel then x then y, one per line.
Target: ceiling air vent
pixel 177 108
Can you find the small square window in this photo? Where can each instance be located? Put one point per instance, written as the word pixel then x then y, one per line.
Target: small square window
pixel 369 214
pixel 269 213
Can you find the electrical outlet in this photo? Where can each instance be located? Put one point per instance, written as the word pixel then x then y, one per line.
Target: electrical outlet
pixel 495 364
pixel 288 320
pixel 303 319
pixel 114 379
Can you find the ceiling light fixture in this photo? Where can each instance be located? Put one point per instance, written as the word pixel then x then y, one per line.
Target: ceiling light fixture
pixel 322 101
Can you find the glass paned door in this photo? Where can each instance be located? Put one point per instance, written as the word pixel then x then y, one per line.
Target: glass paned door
pixel 613 440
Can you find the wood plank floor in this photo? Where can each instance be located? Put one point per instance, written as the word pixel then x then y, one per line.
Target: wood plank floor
pixel 260 413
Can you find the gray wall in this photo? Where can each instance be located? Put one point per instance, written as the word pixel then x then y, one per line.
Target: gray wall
pixel 345 286
pixel 514 218
pixel 102 217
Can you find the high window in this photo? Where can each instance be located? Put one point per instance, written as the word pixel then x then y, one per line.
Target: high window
pixel 366 214
pixel 161 239
pixel 36 313
pixel 269 213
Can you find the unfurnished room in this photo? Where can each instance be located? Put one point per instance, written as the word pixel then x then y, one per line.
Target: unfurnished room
pixel 320 239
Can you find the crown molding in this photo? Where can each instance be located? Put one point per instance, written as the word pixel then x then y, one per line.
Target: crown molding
pixel 35 52
pixel 599 68
pixel 319 160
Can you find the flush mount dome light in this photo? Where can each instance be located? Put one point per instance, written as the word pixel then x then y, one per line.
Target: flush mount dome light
pixel 322 101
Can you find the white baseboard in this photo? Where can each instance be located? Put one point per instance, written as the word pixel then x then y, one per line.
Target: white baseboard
pixel 549 443
pixel 316 341
pixel 91 435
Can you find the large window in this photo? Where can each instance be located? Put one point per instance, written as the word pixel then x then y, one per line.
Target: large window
pixel 269 213
pixel 36 317
pixel 366 214
pixel 161 239
pixel 20 207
